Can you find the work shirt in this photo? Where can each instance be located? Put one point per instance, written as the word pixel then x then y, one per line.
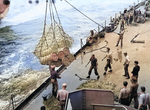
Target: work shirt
pixel 93 61
pixel 54 74
pixel 121 34
pixel 124 93
pixel 127 60
pixel 133 89
pixel 62 94
pixel 144 99
pixel 109 56
pixel 135 71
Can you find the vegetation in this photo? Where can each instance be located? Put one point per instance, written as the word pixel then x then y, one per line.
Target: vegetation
pixel 51 104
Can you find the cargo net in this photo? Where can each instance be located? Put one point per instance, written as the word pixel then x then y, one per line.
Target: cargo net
pixel 54 46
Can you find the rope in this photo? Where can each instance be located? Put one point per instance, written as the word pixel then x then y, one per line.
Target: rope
pixel 84 14
pixel 44 24
pixel 45 18
pixel 53 22
pixel 60 25
pixel 55 38
pixel 99 49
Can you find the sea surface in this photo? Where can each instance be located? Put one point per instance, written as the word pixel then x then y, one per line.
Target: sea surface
pixel 22 29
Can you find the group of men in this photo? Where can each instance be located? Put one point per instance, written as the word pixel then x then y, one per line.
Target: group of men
pixel 128 17
pixel 109 60
pixel 126 96
pixel 62 94
pixel 140 100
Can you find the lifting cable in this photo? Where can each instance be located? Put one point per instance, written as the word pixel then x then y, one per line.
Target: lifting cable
pixel 84 14
pixel 44 26
pixel 60 25
pixel 45 18
pixel 52 21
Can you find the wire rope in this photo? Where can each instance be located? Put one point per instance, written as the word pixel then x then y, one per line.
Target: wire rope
pixel 84 14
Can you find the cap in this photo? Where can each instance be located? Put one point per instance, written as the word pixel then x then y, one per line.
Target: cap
pixel 125 53
pixel 136 62
pixel 64 84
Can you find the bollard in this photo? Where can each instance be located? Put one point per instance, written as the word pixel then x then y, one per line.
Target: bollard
pixel 44 97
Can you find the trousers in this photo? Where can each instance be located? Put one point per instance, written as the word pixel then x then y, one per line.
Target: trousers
pixel 95 70
pixel 108 65
pixel 126 70
pixel 54 87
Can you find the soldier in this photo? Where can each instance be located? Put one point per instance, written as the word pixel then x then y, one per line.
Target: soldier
pixel 122 23
pixel 135 70
pixel 109 61
pixel 94 65
pixel 131 18
pixel 143 99
pixel 54 76
pixel 120 37
pixel 126 65
pixel 89 40
pixel 62 96
pixel 133 92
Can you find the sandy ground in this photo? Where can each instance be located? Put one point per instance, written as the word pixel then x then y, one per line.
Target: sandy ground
pixel 136 51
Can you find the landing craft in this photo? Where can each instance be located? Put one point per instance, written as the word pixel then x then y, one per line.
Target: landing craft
pixel 4 8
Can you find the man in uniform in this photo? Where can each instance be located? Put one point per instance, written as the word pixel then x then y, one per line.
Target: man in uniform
pixel 126 65
pixel 109 61
pixel 143 99
pixel 89 40
pixel 122 23
pixel 54 76
pixel 133 92
pixel 136 69
pixel 93 66
pixel 120 37
pixel 62 96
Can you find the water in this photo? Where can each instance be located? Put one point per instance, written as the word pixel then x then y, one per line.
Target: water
pixel 22 29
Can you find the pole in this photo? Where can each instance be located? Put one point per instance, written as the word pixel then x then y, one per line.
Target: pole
pixel 81 52
pixel 105 24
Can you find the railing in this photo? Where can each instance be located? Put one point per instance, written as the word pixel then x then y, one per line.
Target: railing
pixel 107 107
